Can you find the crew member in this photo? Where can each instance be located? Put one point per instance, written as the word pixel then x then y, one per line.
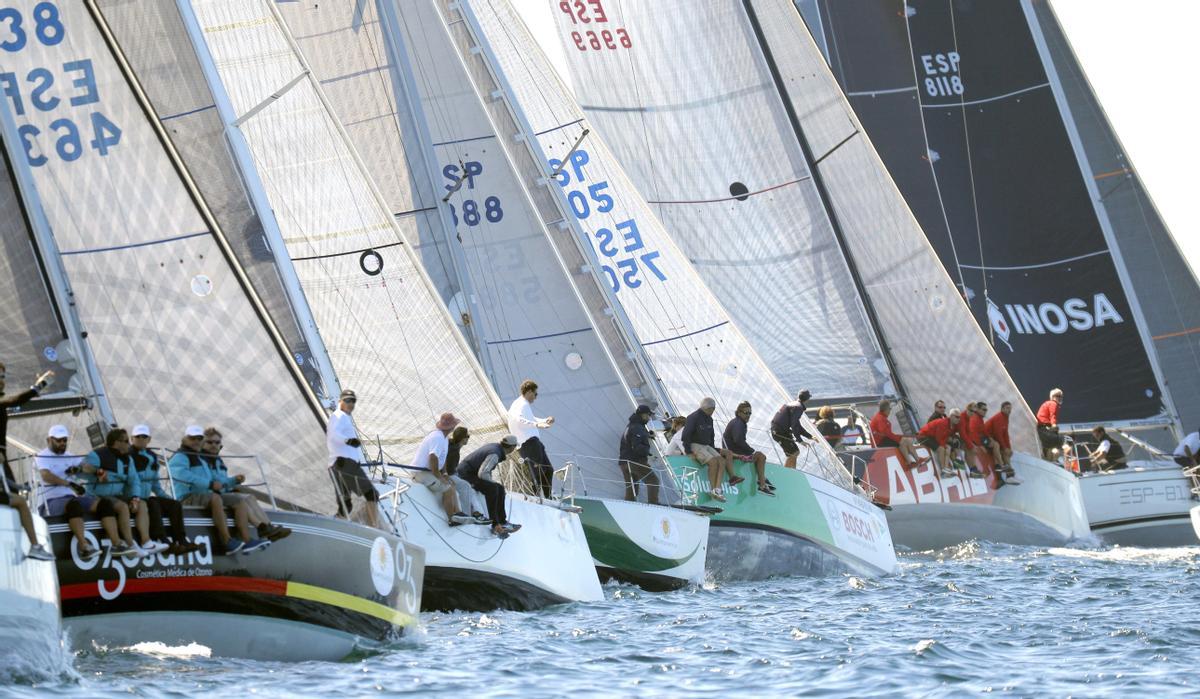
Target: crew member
pixel 345 450
pixel 634 457
pixel 1047 425
pixel 787 427
pixel 1108 455
pixel 734 440
pixel 699 437
pixel 477 469
pixel 525 426
pixel 885 436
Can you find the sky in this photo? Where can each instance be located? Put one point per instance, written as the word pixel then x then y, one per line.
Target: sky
pixel 1141 59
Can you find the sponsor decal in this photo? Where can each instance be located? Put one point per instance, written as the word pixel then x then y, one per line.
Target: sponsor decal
pixel 664 536
pixel 403 562
pixel 161 565
pixel 924 484
pixel 383 566
pixel 1074 314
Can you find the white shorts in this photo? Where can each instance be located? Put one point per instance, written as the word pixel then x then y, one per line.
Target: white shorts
pixel 436 485
pixel 704 453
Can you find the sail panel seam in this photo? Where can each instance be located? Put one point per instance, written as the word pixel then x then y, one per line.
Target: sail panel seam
pixel 680 337
pixel 87 251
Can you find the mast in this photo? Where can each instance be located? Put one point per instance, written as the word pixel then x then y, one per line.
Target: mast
pixel 634 350
pixel 60 285
pixel 314 403
pixel 390 25
pixel 1106 225
pixel 259 200
pixel 826 204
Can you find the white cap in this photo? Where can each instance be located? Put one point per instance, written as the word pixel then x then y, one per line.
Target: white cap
pixel 194 431
pixel 59 432
pixel 140 431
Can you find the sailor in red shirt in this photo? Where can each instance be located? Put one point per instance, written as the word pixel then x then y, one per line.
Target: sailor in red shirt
pixel 983 433
pixel 1047 425
pixel 967 427
pixel 935 436
pixel 884 436
pixel 996 429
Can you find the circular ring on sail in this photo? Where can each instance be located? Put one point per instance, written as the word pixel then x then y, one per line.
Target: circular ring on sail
pixel 371 255
pixel 201 285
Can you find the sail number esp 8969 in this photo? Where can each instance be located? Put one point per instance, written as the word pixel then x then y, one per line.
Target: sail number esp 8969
pixel 624 256
pixel 67 89
pixel 588 12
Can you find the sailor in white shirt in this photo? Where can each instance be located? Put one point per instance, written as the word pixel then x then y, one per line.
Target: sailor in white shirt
pixel 1188 450
pixel 61 495
pixel 525 427
pixel 345 451
pixel 431 454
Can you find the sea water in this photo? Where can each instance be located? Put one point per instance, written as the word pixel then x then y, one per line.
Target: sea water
pixel 978 618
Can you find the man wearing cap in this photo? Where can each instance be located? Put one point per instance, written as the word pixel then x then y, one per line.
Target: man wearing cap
pixel 734 440
pixel 345 451
pixel 150 490
pixel 210 451
pixel 109 473
pixel 635 457
pixel 525 427
pixel 431 455
pixel 787 427
pixel 62 495
pixel 477 469
pixel 196 487
pixel 699 437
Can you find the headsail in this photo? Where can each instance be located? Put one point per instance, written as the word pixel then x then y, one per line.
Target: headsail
pixel 933 343
pixel 175 329
pixel 961 106
pixel 387 333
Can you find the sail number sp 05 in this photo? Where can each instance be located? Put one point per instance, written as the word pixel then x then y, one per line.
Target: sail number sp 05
pixel 65 90
pixel 591 12
pixel 624 256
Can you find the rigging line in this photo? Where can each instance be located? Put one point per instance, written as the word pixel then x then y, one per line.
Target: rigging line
pixel 1041 265
pixel 984 100
pixel 887 91
pixel 971 174
pixel 839 144
pixel 348 252
pixel 145 243
pixel 933 175
pixel 741 197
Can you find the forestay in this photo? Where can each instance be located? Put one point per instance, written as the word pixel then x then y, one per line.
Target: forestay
pixel 681 93
pixel 934 345
pixel 688 338
pixel 528 318
pixel 387 333
pixel 176 332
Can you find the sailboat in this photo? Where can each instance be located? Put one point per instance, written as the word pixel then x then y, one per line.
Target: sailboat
pixel 762 142
pixel 170 331
pixel 380 321
pixel 29 622
pixel 485 243
pixel 1067 266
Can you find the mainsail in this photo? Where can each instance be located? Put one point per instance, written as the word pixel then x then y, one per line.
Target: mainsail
pixel 694 347
pixel 526 314
pixel 175 329
pixel 963 108
pixel 386 331
pixel 934 346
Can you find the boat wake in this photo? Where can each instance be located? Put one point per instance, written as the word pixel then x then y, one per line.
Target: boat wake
pixel 27 665
pixel 1142 556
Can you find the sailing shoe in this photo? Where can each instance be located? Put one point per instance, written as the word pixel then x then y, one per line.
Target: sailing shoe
pixel 716 495
pixel 766 490
pixel 949 472
pixel 255 545
pixel 152 547
pixel 273 532
pixel 500 532
pixel 480 518
pixel 511 528
pixel 461 518
pixel 87 553
pixel 235 544
pixel 735 480
pixel 126 551
pixel 1012 480
pixel 972 473
pixel 39 553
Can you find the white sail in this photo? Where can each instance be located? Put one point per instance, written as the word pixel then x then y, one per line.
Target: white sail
pixel 176 332
pixel 387 333
pixel 930 337
pixel 696 350
pixel 526 315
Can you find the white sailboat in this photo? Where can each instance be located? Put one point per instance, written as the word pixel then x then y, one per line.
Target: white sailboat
pixel 385 330
pixel 29 622
pixel 659 95
pixel 175 334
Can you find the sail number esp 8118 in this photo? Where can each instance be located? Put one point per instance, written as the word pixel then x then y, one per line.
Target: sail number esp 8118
pixel 59 90
pixel 584 14
pixel 624 256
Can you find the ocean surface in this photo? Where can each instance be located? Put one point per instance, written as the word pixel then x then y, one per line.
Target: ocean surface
pixel 978 618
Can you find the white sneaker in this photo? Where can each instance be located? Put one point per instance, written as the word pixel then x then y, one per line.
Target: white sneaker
pixel 461 518
pixel 152 547
pixel 39 553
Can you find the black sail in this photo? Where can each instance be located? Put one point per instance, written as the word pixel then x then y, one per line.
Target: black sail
pixel 958 103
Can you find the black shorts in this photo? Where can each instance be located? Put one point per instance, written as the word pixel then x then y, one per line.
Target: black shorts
pixel 928 442
pixel 4 498
pixel 888 442
pixel 1184 461
pixel 786 443
pixel 353 478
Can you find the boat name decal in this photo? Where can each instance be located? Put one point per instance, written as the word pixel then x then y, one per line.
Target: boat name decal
pixel 161 565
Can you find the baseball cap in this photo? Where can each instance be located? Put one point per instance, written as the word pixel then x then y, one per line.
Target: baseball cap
pixel 509 440
pixel 140 431
pixel 59 432
pixel 347 393
pixel 194 431
pixel 644 410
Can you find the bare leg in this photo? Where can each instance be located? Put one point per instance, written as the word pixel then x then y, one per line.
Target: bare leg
pixel 109 525
pixel 217 509
pixel 76 525
pixel 714 473
pixel 760 466
pixel 241 518
pixel 373 515
pixel 791 460
pixel 727 456
pixel 123 522
pixel 18 503
pixel 450 503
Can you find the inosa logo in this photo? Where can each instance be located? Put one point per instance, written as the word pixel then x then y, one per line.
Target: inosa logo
pixel 1030 319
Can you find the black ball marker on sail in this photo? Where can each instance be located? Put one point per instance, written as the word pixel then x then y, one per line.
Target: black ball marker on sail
pixel 374 269
pixel 739 191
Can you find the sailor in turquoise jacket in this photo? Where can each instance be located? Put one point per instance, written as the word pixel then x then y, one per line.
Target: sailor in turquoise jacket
pixel 109 473
pixel 191 474
pixel 144 488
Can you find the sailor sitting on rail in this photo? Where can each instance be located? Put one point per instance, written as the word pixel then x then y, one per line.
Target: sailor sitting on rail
pixel 63 496
pixel 935 436
pixel 108 469
pixel 477 468
pixel 674 436
pixel 431 454
pixel 231 491
pixel 885 436
pixel 150 490
pixel 699 437
pixel 734 440
pixel 196 487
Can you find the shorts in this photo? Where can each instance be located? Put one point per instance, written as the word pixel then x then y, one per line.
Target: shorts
pixel 436 485
pixel 747 458
pixel 352 479
pixel 785 442
pixel 58 506
pixel 888 442
pixel 197 500
pixel 704 453
pixel 1184 461
pixel 929 443
pixel 234 499
pixel 4 500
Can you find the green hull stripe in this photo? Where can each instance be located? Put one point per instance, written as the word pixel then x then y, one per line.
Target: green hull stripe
pixel 793 509
pixel 612 547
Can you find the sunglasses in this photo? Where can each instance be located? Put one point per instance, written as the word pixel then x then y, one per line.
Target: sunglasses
pixel 349 400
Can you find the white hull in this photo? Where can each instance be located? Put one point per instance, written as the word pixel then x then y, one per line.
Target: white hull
pixel 654 546
pixel 547 562
pixel 1045 510
pixel 30 636
pixel 1146 504
pixel 1195 514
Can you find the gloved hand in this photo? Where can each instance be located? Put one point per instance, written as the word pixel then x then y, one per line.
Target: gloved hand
pixel 354 442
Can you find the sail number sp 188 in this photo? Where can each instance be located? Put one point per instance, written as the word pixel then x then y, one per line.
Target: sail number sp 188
pixel 68 85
